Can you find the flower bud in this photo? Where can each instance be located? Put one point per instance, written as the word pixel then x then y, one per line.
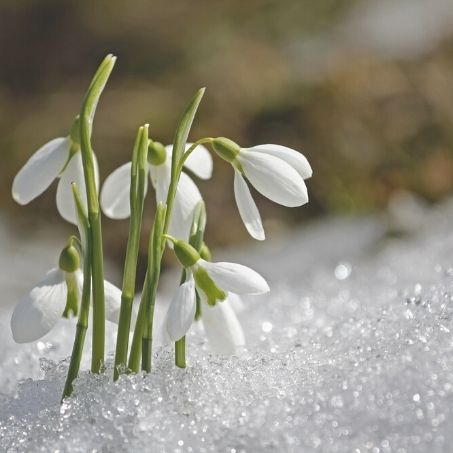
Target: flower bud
pixel 72 299
pixel 185 253
pixel 205 253
pixel 226 148
pixel 156 153
pixel 69 259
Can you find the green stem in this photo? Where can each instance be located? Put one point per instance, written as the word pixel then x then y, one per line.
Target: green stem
pixel 137 194
pixel 185 156
pixel 156 252
pixel 76 357
pixel 180 352
pixel 161 225
pixel 98 345
pixel 136 348
pixel 84 313
pixel 97 266
pixel 195 240
pixel 154 264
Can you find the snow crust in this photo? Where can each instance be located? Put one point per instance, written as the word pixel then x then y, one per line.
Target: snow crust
pixel 351 352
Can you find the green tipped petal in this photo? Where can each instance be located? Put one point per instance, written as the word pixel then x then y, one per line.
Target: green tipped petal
pixel 206 284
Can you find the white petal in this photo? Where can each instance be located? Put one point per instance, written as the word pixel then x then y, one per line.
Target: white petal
pixel 224 332
pixel 247 208
pixel 115 201
pixel 41 309
pixel 181 312
pixel 235 277
pixel 73 173
pixel 292 157
pixel 160 176
pixel 79 279
pixel 274 178
pixel 236 302
pixel 112 302
pixel 187 198
pixel 169 150
pixel 199 162
pixel 40 170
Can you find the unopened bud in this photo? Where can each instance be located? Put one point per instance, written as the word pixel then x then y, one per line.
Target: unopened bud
pixel 205 253
pixel 69 259
pixel 185 253
pixel 226 148
pixel 156 153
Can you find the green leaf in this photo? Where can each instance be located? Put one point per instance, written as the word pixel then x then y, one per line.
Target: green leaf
pixel 142 163
pixel 157 239
pixel 185 123
pixel 134 168
pixel 96 88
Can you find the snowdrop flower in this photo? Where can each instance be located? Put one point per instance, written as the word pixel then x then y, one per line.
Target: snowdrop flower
pixel 211 281
pixel 115 191
pixel 277 172
pixel 221 326
pixel 60 158
pixel 57 295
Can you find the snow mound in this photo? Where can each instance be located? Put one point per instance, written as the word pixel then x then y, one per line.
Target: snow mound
pixel 352 354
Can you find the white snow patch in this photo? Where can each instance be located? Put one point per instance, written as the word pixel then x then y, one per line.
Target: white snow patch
pixel 339 359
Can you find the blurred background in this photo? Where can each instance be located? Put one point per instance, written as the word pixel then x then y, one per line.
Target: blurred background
pixel 363 88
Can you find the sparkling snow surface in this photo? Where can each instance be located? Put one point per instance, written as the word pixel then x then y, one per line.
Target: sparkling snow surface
pixel 351 352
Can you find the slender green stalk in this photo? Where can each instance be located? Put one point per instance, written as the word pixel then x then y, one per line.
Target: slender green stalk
pixel 196 241
pixel 135 354
pixel 181 136
pixel 97 265
pixel 84 313
pixel 185 156
pixel 154 263
pixel 137 195
pixel 142 339
pixel 180 352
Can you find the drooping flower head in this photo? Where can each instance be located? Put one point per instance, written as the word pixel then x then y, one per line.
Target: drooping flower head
pixel 212 282
pixel 57 296
pixel 115 191
pixel 60 158
pixel 277 172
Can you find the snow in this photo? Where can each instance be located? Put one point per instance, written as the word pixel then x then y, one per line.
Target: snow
pixel 351 352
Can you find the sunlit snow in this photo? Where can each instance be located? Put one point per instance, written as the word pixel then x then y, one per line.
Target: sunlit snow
pixel 351 352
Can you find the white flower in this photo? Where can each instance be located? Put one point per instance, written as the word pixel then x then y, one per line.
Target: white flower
pixel 181 312
pixel 115 192
pixel 51 161
pixel 44 305
pixel 222 327
pixel 277 172
pixel 232 277
pixel 212 281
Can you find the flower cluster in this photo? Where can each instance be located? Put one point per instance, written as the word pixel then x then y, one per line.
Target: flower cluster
pixel 209 291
